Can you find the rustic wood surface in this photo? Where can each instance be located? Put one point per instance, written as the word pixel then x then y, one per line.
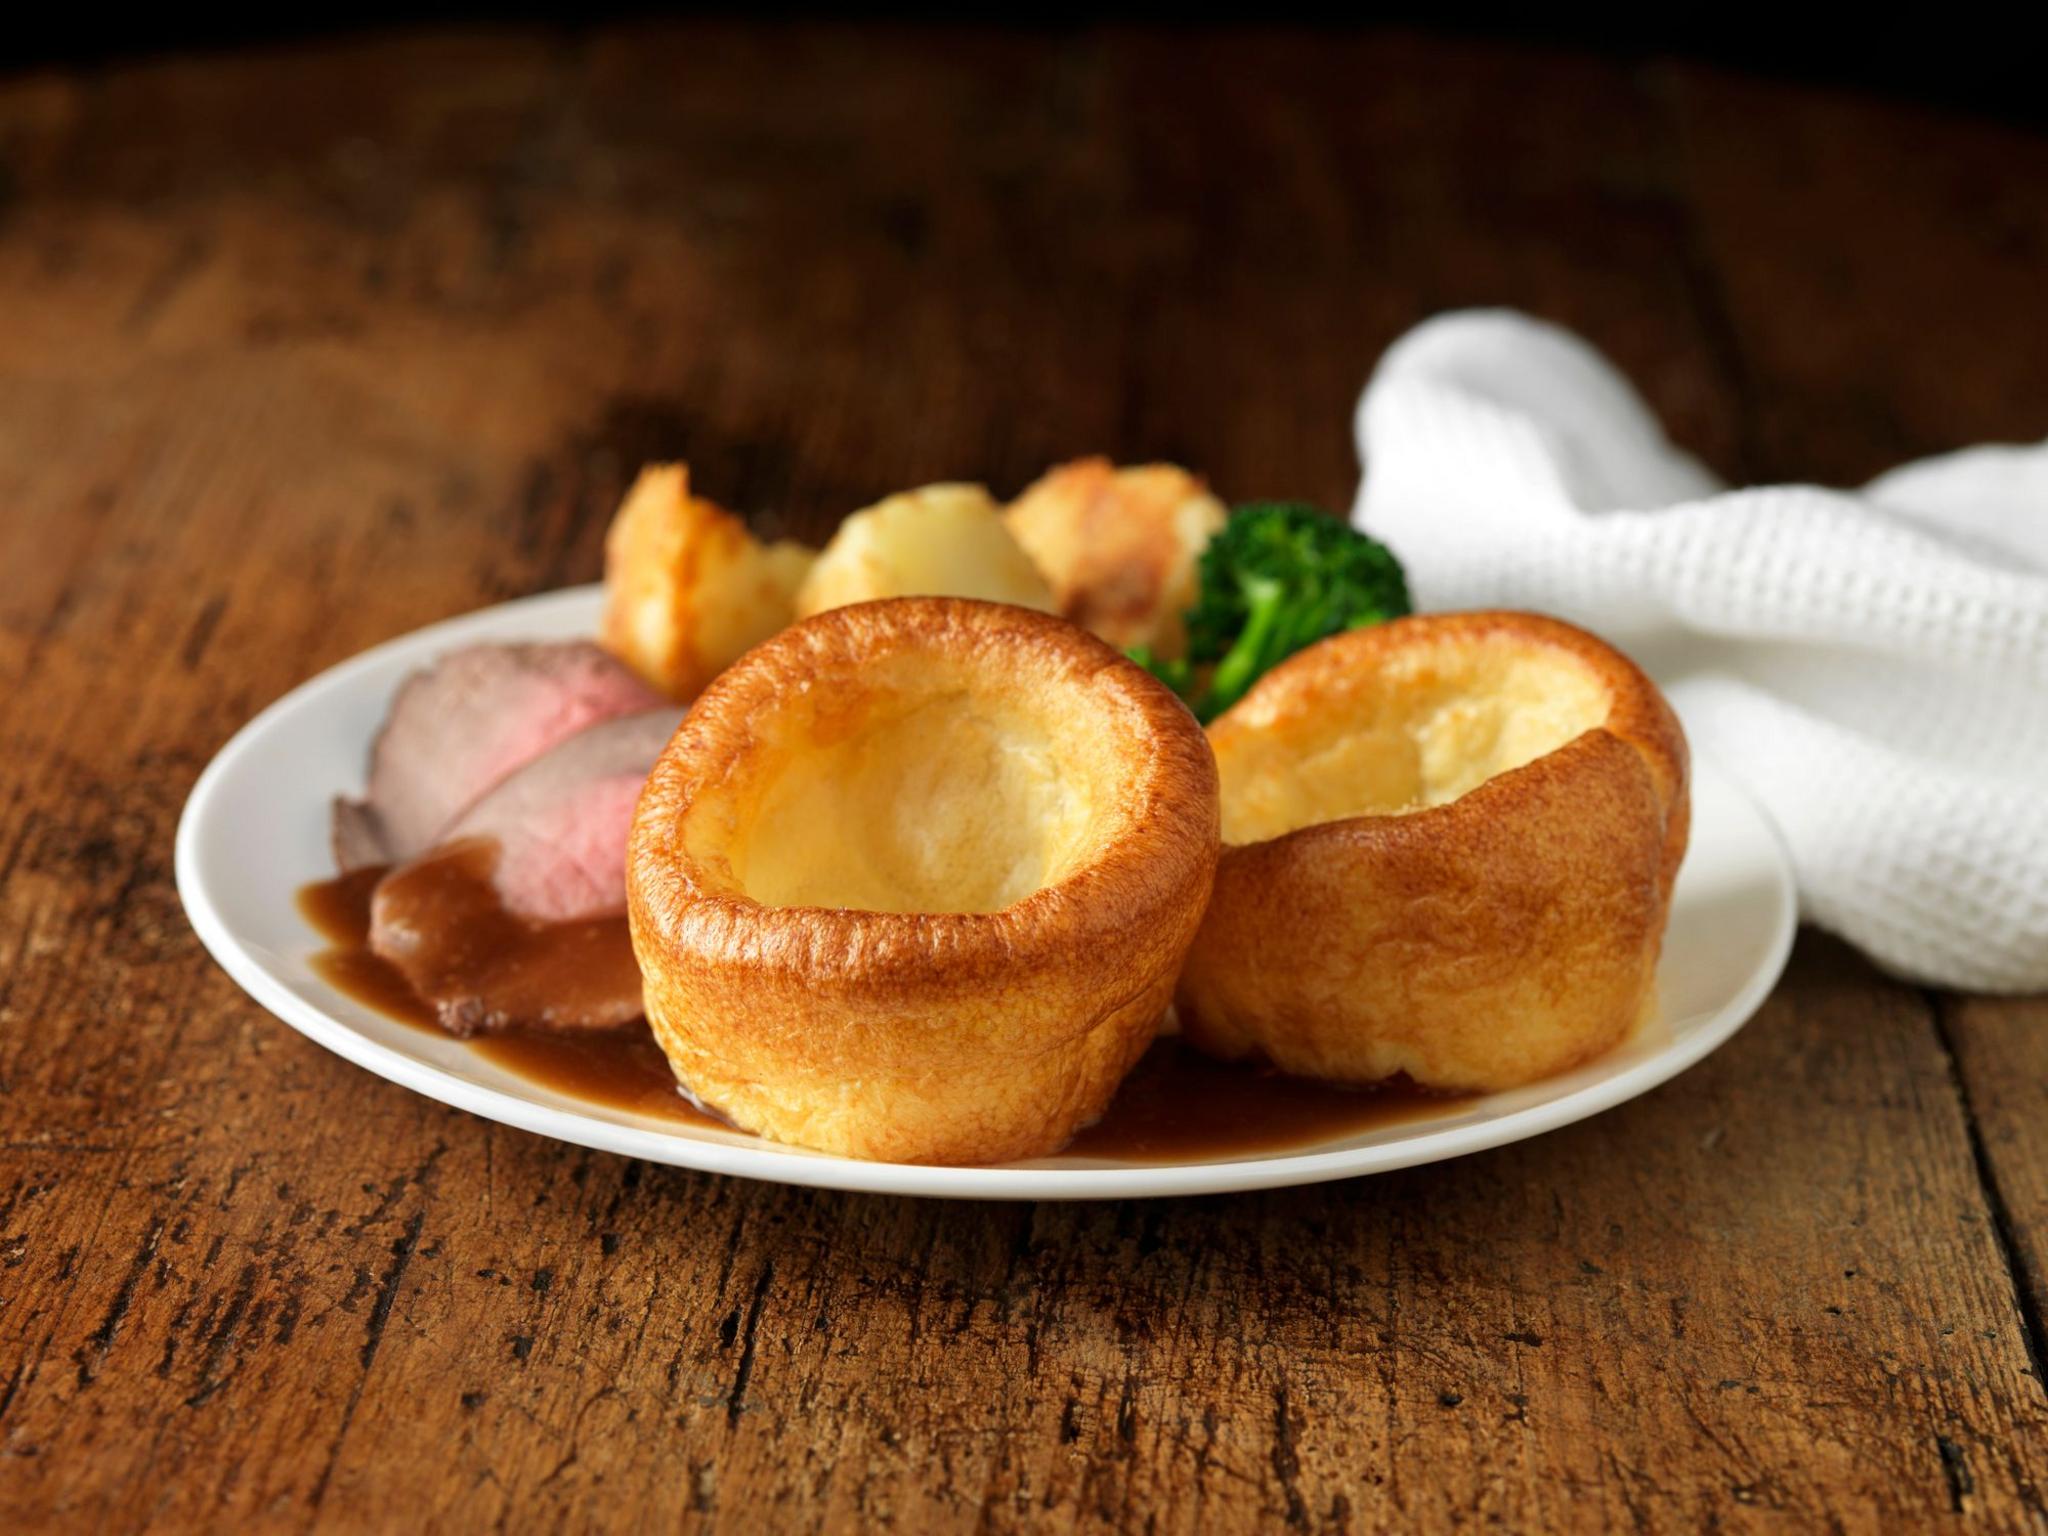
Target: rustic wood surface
pixel 302 348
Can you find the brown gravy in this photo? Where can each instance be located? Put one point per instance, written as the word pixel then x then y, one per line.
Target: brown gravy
pixel 621 1067
pixel 486 970
pixel 1179 1106
pixel 1176 1106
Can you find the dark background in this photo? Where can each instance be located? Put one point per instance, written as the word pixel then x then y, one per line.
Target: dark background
pixel 1974 58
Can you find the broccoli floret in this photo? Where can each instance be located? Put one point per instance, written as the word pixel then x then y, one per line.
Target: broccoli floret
pixel 1280 576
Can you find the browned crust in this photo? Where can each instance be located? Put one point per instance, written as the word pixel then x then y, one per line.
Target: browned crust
pixel 1474 945
pixel 1119 564
pixel 958 1037
pixel 681 667
pixel 1119 547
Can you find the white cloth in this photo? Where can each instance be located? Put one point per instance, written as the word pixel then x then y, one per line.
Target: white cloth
pixel 1872 665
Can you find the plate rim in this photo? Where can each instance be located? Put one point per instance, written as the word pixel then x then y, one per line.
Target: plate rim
pixel 798 1166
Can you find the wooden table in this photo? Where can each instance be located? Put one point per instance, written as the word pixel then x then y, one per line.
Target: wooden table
pixel 301 349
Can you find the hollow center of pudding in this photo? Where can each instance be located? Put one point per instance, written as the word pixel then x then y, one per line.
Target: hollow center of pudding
pixel 1427 726
pixel 954 801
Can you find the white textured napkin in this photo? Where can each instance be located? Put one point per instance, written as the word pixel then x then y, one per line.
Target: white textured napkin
pixel 1872 665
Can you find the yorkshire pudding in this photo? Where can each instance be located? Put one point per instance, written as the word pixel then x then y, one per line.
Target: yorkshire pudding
pixel 1449 843
pixel 915 878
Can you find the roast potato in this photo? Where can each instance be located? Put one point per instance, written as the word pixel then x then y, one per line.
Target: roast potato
pixel 939 541
pixel 687 587
pixel 915 878
pixel 1119 546
pixel 1449 848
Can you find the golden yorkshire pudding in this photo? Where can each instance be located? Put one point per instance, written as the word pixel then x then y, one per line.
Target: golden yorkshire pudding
pixel 915 878
pixel 1449 843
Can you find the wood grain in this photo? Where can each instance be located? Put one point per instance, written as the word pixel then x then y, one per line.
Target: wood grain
pixel 302 348
pixel 2000 1047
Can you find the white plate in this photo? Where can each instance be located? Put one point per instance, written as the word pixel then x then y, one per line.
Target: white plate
pixel 255 831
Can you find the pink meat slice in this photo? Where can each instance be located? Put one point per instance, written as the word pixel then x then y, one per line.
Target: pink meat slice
pixel 464 725
pixel 547 847
pixel 560 823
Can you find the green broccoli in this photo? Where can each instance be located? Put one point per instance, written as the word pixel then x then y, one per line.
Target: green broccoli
pixel 1280 576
